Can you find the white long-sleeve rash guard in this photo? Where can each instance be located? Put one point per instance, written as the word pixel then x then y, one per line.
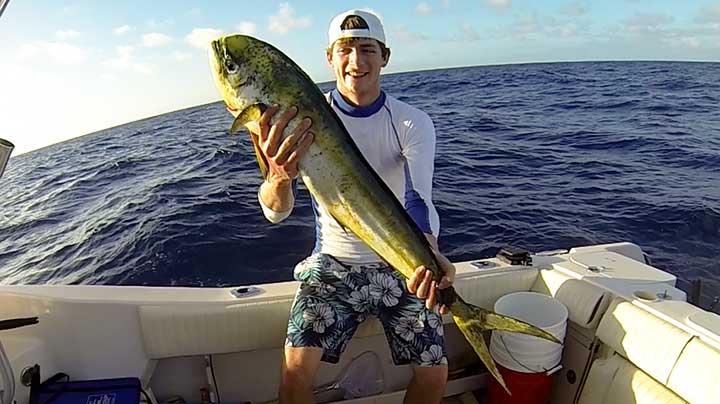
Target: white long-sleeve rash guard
pixel 398 141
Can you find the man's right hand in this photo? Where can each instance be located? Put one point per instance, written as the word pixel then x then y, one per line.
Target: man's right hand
pixel 281 155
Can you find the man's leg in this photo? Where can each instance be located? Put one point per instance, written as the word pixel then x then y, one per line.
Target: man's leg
pixel 321 324
pixel 427 385
pixel 298 373
pixel 415 335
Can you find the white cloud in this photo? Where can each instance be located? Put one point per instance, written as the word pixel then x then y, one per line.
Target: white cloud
pixel 575 9
pixel 445 3
pixel 64 35
pixel 647 23
pixel 182 56
pixel 499 4
pixel 424 8
pixel 59 52
pixel 403 35
pixel 155 39
pixel 201 37
pixel 691 42
pixel 469 34
pixel 709 14
pixel 125 60
pixel 247 28
pixel 121 30
pixel 285 20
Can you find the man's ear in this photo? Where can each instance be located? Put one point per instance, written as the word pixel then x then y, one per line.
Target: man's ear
pixel 386 59
pixel 328 57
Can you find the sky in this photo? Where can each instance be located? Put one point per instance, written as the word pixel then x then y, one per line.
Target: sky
pixel 70 68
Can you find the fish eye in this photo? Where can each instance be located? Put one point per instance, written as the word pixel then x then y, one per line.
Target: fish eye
pixel 231 66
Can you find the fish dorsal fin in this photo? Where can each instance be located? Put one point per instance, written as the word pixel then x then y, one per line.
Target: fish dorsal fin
pixel 247 117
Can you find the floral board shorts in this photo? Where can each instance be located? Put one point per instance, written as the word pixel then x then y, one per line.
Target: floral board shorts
pixel 334 298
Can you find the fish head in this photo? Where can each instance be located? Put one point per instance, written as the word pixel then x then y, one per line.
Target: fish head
pixel 233 70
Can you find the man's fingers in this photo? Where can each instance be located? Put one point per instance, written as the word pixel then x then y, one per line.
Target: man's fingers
pixel 292 142
pixel 302 148
pixel 422 290
pixel 276 131
pixel 414 281
pixel 432 295
pixel 264 122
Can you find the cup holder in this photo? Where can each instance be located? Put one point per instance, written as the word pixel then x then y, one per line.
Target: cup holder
pixel 646 296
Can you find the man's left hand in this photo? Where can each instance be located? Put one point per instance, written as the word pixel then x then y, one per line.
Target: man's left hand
pixel 421 283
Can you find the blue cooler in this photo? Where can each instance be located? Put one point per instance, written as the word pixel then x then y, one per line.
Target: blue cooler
pixel 105 391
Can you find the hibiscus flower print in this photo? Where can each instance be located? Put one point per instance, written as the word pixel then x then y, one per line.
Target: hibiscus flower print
pixel 319 317
pixel 436 323
pixel 433 356
pixel 385 288
pixel 361 299
pixel 407 327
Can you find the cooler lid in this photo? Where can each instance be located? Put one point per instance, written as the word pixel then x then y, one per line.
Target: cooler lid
pixel 617 266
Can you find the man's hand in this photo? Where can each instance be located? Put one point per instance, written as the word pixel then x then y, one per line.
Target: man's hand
pixel 281 155
pixel 424 287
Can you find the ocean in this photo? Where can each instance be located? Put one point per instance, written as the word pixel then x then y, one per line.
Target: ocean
pixel 538 156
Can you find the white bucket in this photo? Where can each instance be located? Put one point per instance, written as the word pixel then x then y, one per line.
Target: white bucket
pixel 525 353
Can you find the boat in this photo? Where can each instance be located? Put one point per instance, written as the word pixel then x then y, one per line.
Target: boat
pixel 631 336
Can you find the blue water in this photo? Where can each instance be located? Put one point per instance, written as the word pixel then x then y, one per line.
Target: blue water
pixel 542 156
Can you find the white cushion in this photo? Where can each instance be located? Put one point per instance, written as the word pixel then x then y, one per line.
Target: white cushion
pixel 485 290
pixel 184 330
pixel 696 376
pixel 585 302
pixel 617 381
pixel 650 343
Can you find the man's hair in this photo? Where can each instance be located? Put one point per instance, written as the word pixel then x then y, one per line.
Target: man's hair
pixel 356 22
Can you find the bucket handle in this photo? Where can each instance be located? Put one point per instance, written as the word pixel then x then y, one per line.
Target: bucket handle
pixel 547 371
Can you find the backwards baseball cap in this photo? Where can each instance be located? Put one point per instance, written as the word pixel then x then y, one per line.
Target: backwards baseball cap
pixel 374 28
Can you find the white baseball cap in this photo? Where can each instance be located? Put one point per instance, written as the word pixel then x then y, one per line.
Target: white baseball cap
pixel 374 30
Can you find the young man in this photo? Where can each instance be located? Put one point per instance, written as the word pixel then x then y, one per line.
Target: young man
pixel 343 281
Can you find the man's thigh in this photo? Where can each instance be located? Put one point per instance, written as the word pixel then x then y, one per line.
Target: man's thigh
pixel 321 315
pixel 414 333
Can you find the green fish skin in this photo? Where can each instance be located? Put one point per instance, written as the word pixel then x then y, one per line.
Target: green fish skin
pixel 251 75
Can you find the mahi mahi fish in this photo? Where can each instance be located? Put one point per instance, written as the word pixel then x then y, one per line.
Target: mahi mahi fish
pixel 251 75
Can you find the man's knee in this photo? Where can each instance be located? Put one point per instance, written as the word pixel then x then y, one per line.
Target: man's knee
pixel 432 377
pixel 299 368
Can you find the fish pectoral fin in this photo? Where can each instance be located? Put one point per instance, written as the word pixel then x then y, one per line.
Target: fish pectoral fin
pixel 262 162
pixel 248 118
pixel 494 321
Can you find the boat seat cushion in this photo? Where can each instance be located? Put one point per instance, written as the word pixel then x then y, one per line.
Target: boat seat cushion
pixel 651 360
pixel 615 380
pixel 647 341
pixel 216 328
pixel 696 375
pixel 586 303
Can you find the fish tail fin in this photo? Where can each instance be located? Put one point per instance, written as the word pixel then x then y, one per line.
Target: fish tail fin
pixel 471 326
pixel 473 321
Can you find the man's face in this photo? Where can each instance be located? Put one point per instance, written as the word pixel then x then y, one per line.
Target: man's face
pixel 356 64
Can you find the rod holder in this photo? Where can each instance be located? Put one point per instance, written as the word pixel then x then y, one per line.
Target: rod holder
pixel 6 148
